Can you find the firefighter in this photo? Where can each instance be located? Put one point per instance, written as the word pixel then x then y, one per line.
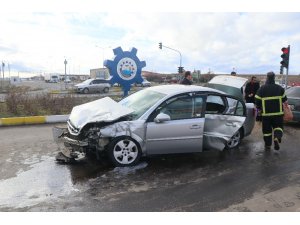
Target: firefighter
pixel 269 100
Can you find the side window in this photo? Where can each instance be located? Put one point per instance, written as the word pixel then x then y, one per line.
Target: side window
pixel 240 109
pixel 232 103
pixel 178 108
pixel 215 105
pixel 198 106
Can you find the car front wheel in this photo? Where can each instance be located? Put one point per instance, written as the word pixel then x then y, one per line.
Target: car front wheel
pixel 86 91
pixel 124 151
pixel 235 140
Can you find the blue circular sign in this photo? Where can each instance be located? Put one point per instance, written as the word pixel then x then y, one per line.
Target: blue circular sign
pixel 125 68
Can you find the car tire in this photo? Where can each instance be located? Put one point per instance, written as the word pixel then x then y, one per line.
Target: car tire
pixel 86 91
pixel 106 90
pixel 235 140
pixel 124 151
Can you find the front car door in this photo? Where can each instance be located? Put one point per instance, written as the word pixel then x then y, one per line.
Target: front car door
pixel 224 116
pixel 183 133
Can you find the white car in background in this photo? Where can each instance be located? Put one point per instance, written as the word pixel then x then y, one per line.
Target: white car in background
pixel 145 83
pixel 93 86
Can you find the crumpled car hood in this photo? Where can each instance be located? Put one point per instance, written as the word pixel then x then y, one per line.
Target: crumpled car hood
pixel 102 110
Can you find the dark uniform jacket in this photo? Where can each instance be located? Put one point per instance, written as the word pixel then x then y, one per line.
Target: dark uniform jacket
pixel 269 99
pixel 186 81
pixel 251 88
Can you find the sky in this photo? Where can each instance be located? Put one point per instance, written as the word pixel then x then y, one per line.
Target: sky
pixel 37 40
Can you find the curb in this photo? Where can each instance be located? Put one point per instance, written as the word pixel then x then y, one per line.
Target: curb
pixel 33 120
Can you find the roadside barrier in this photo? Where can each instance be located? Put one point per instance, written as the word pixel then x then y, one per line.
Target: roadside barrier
pixel 33 120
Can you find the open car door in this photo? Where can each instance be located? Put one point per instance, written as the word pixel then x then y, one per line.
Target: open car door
pixel 224 117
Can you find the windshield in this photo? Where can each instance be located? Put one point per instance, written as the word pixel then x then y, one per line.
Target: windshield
pixel 293 92
pixel 87 81
pixel 141 101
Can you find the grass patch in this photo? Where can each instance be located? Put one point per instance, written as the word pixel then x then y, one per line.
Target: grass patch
pixel 20 102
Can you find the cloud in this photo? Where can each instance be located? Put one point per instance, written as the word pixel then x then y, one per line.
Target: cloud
pixel 250 42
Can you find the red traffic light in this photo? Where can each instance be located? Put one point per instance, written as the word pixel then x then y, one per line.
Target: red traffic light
pixel 285 50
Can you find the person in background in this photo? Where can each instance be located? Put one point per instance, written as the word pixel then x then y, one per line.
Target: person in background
pixel 187 80
pixel 251 89
pixel 269 99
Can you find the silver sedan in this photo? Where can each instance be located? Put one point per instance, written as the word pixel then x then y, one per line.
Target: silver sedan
pixel 158 120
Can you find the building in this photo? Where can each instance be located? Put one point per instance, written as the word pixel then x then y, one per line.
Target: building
pixel 99 73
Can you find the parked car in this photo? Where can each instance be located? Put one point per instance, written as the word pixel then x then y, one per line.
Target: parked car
pixel 93 86
pixel 293 96
pixel 145 83
pixel 157 120
pixel 233 85
pixel 67 80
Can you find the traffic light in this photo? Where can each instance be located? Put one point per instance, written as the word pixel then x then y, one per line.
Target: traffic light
pixel 285 57
pixel 281 69
pixel 180 69
pixel 160 45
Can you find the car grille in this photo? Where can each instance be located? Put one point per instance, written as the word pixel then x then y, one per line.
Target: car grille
pixel 75 142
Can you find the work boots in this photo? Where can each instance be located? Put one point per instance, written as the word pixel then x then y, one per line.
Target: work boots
pixel 276 143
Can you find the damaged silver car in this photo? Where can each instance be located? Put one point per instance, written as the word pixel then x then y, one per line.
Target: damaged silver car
pixel 157 120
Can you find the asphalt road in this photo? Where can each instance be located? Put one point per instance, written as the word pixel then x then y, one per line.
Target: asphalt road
pixel 244 179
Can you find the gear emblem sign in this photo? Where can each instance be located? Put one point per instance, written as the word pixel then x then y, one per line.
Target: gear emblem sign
pixel 125 68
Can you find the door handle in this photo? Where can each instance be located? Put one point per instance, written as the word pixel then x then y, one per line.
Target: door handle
pixel 195 126
pixel 230 124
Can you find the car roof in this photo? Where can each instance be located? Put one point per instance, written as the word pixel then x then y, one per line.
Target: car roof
pixel 172 89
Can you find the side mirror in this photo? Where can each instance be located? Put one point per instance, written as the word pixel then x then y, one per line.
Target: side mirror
pixel 162 117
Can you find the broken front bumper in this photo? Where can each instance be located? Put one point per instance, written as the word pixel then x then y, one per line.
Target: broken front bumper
pixel 69 149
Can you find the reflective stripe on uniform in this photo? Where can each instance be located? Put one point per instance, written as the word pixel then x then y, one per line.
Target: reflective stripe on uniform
pixel 264 106
pixel 258 97
pixel 268 134
pixel 272 114
pixel 278 128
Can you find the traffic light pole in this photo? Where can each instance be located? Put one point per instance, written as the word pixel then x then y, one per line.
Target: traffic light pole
pixel 285 62
pixel 287 69
pixel 177 52
pixel 286 78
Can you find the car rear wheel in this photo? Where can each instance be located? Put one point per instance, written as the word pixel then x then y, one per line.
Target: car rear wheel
pixel 124 151
pixel 106 90
pixel 86 91
pixel 235 140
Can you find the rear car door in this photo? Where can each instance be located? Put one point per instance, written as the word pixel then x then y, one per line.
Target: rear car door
pixel 92 86
pixel 224 116
pixel 183 133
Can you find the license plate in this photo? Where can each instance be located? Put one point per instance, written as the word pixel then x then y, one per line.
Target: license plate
pixel 292 107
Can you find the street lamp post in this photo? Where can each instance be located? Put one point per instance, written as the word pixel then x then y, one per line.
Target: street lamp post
pixel 3 65
pixel 102 53
pixel 65 62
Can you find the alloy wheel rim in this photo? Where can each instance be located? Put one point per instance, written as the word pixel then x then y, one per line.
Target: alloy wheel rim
pixel 234 141
pixel 125 151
